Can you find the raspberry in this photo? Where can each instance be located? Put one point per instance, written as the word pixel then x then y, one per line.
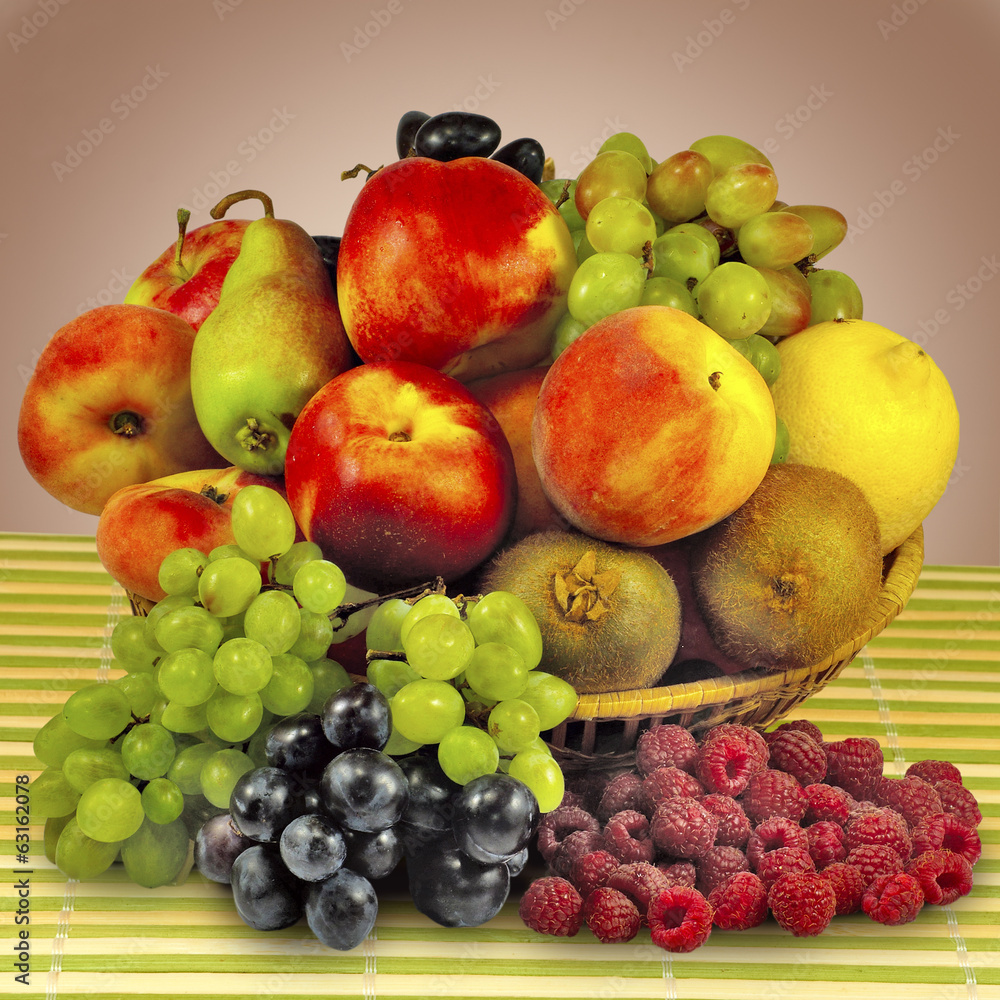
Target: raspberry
pixel 826 843
pixel 873 860
pixel 572 798
pixel 667 783
pixel 893 899
pixel 679 872
pixel 753 739
pixel 665 746
pixel 796 726
pixel 588 786
pixel 551 905
pixel 803 903
pixel 611 916
pixel 935 771
pixel 773 793
pixel 944 875
pixel 680 919
pixel 624 791
pixel 948 831
pixel 571 847
pixel 739 903
pixel 959 801
pixel 778 831
pixel 912 797
pixel 716 865
pixel 798 754
pixel 639 881
pixel 591 870
pixel 726 761
pixel 683 828
pixel 882 827
pixel 554 826
pixel 627 836
pixel 827 802
pixel 734 826
pixel 849 885
pixel 855 764
pixel 784 861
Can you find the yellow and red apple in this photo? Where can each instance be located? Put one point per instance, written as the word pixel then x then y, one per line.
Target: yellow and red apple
pixel 650 427
pixel 463 266
pixel 399 474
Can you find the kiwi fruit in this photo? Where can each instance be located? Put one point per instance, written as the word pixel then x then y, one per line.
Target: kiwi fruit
pixel 609 615
pixel 793 573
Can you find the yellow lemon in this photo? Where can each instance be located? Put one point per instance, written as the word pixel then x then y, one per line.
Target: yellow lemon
pixel 868 403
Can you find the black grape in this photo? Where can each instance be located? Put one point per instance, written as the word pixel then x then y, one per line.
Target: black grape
pixel 406 130
pixel 453 134
pixel 525 155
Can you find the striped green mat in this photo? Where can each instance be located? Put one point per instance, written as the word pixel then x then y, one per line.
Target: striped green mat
pixel 929 686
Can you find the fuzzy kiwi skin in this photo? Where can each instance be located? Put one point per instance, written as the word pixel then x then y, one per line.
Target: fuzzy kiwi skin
pixel 628 648
pixel 793 573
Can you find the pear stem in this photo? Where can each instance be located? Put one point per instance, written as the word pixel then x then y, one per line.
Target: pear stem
pixel 231 199
pixel 183 215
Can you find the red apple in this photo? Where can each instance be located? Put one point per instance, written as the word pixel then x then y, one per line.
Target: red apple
pixel 142 523
pixel 463 266
pixel 186 278
pixel 109 404
pixel 510 397
pixel 650 427
pixel 399 474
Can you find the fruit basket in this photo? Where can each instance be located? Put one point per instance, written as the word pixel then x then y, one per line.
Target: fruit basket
pixel 604 728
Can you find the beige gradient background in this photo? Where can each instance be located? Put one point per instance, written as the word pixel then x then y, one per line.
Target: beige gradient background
pixel 846 96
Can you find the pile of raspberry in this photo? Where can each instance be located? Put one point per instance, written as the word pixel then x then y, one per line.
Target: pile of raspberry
pixel 739 825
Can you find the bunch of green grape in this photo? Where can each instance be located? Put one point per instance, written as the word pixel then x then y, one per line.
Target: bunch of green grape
pixel 701 231
pixel 461 674
pixel 134 765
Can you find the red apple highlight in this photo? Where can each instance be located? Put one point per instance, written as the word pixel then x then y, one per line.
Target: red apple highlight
pixel 399 474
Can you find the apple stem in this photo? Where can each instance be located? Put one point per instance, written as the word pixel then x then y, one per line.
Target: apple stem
pixel 354 171
pixel 183 215
pixel 126 424
pixel 231 199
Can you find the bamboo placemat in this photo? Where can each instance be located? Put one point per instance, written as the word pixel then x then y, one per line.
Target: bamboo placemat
pixel 929 686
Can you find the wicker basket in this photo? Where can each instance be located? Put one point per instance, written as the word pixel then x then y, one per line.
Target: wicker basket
pixel 603 730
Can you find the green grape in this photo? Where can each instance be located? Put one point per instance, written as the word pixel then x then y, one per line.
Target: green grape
pixel 156 854
pixel 85 766
pixel 182 718
pixel 513 724
pixel 424 710
pixel 141 691
pixel 328 676
pixel 110 809
pixel 290 689
pixel 439 646
pixel 676 188
pixel 834 296
pixel 287 565
pixel 129 646
pixel 740 193
pixel 81 857
pixel 629 142
pixel 180 570
pixel 390 675
pixel 762 354
pixel 432 604
pixel 383 630
pixel 707 236
pixel 662 291
pixel 551 697
pixel 234 717
pixel 542 774
pixel 568 329
pixel 684 257
pixel 733 300
pixel 555 188
pixel 54 826
pixel 583 247
pixel 162 801
pixel 98 711
pixel 55 741
pixel 256 748
pixel 242 665
pixel 501 616
pixel 791 301
pixel 829 227
pixel 186 627
pixel 52 794
pixel 466 753
pixel 273 620
pixel 158 610
pixel 185 769
pixel 562 193
pixel 187 677
pixel 229 585
pixel 147 750
pixel 620 225
pixel 263 524
pixel 399 746
pixel 774 239
pixel 603 284
pixel 725 151
pixel 497 671
pixel 232 626
pixel 320 586
pixel 220 772
pixel 781 441
pixel 231 550
pixel 613 173
pixel 315 636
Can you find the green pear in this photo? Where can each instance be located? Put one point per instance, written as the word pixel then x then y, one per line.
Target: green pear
pixel 274 339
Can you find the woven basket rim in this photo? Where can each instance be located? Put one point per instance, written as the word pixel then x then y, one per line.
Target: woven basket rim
pixel 904 566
